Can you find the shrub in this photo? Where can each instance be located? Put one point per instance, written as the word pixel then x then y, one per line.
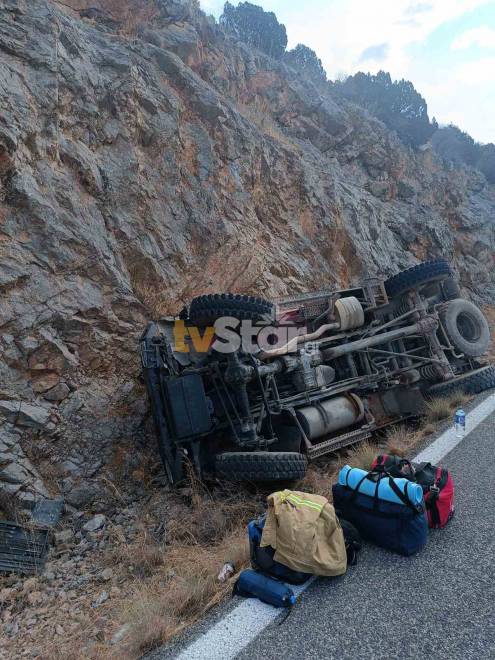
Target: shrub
pixel 255 27
pixel 306 61
pixel 396 103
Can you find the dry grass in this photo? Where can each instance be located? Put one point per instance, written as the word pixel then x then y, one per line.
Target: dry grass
pixel 442 407
pixel 438 409
pixel 142 557
pixel 177 579
pixel 183 589
pixel 318 480
pixel 361 455
pixel 181 594
pixel 401 439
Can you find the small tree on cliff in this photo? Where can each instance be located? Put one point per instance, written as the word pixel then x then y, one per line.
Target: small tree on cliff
pixel 396 103
pixel 486 162
pixel 307 62
pixel 455 146
pixel 255 27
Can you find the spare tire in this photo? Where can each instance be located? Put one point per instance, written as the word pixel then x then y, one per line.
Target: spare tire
pixel 466 327
pixel 425 273
pixel 262 466
pixel 473 382
pixel 205 310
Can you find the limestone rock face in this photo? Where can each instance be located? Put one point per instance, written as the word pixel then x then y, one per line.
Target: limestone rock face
pixel 138 172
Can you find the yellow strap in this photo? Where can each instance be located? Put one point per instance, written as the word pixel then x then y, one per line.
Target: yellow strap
pixel 295 499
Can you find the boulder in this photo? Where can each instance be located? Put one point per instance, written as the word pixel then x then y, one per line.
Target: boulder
pixel 57 393
pixel 44 381
pixel 96 523
pixel 24 414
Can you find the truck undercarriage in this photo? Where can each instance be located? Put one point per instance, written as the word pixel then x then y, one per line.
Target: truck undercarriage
pixel 250 390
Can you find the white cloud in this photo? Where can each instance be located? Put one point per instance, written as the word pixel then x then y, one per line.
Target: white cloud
pixel 483 37
pixel 214 7
pixel 465 96
pixel 342 31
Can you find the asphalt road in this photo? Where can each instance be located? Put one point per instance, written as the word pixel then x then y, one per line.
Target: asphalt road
pixel 438 604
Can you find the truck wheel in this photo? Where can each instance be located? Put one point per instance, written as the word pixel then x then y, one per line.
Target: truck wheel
pixel 466 327
pixel 473 382
pixel 261 466
pixel 205 310
pixel 428 271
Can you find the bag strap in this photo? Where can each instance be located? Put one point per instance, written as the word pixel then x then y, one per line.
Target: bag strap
pixel 403 496
pixel 377 476
pixel 355 490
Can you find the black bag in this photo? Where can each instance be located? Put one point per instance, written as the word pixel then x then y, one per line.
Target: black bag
pixel 262 558
pixel 352 539
pixel 395 466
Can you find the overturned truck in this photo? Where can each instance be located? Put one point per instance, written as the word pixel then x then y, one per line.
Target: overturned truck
pixel 246 389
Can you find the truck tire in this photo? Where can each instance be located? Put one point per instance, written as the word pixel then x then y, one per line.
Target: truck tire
pixel 261 466
pixel 473 382
pixel 205 310
pixel 466 327
pixel 428 271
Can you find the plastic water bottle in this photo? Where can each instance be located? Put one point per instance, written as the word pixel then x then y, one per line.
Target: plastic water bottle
pixel 460 423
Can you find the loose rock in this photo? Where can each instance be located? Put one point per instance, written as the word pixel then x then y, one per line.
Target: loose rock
pixel 96 523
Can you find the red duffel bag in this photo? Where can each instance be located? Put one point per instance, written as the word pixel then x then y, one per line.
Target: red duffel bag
pixel 436 482
pixel 438 493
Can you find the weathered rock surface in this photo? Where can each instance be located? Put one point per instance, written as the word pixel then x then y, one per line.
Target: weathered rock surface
pixel 136 173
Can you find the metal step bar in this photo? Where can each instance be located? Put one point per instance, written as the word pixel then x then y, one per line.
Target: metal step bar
pixel 333 444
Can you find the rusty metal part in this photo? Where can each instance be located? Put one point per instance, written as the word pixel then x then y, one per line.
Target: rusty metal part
pixel 333 444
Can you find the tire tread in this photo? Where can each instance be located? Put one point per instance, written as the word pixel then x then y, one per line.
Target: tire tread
pixel 261 466
pixel 420 274
pixel 473 383
pixel 205 310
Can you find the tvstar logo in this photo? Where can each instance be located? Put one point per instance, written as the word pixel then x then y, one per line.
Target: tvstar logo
pixel 229 335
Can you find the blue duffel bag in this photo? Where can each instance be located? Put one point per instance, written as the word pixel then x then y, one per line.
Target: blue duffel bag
pixel 401 528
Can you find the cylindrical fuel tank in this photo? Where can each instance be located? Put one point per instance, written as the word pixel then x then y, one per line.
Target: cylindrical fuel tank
pixel 330 415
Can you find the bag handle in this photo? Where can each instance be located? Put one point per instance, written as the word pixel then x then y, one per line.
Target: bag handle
pixel 380 467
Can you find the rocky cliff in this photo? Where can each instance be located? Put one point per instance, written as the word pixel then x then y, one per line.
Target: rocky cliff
pixel 138 171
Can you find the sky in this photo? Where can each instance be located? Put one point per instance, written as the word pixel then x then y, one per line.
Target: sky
pixel 445 47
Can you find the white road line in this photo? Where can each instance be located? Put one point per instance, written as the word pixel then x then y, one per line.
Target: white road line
pixel 445 443
pixel 236 630
pixel 226 639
